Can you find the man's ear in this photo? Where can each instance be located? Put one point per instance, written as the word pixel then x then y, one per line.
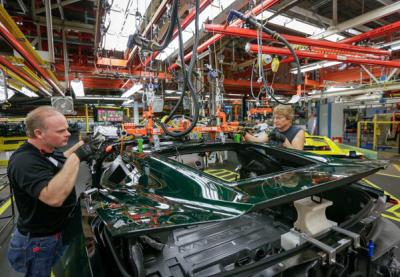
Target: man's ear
pixel 38 133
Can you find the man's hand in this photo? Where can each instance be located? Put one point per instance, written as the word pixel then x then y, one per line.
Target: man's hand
pixel 85 152
pixel 276 136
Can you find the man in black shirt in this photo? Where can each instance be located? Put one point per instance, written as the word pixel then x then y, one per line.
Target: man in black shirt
pixel 284 133
pixel 42 179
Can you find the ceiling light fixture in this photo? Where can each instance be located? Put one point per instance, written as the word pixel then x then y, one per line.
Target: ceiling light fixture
pixel 135 88
pixel 28 92
pixel 354 91
pixel 77 87
pixel 314 66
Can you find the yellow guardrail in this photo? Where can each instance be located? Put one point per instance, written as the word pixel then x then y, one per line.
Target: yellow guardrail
pixel 375 122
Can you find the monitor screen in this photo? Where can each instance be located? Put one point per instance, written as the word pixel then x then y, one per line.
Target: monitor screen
pixel 109 115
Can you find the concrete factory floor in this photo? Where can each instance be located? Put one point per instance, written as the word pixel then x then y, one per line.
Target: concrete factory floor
pixel 388 179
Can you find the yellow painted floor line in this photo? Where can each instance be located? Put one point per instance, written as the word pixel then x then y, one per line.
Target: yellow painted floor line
pixel 5 206
pixel 389 175
pixel 393 209
pixel 391 217
pixel 378 187
pixel 397 167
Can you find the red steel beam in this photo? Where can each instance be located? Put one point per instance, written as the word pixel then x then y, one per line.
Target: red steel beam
pixel 252 34
pixel 253 48
pixel 14 43
pixel 99 83
pixel 188 19
pixel 381 31
pixel 98 70
pixel 231 83
pixel 23 75
pixel 111 62
pixel 266 4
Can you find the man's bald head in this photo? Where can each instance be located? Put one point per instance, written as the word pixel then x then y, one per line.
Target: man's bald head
pixel 36 119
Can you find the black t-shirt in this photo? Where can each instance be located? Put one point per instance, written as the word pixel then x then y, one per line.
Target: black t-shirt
pixel 29 171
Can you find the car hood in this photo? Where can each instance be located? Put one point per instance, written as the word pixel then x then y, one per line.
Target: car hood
pixel 171 196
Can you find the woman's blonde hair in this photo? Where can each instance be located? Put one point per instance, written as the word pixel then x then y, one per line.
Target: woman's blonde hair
pixel 284 110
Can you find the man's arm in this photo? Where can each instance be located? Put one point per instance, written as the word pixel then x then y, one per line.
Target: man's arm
pixel 71 150
pixel 297 142
pixel 262 138
pixel 61 185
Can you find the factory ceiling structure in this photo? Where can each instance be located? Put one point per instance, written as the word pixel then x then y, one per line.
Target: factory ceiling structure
pixel 345 47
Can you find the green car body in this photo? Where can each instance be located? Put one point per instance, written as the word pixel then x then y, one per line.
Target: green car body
pixel 189 185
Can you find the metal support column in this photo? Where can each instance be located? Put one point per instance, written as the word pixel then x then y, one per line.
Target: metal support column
pixel 374 146
pixel 87 117
pixel 39 36
pixel 334 12
pixel 66 60
pixel 49 23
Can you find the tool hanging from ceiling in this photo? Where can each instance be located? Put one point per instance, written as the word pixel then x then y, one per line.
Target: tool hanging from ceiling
pixel 187 72
pixel 253 22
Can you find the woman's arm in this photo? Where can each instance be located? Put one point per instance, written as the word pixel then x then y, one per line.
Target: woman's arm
pixel 262 138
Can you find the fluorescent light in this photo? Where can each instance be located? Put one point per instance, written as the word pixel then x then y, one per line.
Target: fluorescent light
pixel 102 98
pixel 395 47
pixel 127 102
pixel 335 38
pixel 371 97
pixel 28 92
pixel 333 92
pixel 314 66
pixel 353 31
pixel 3 87
pixel 77 87
pixel 135 88
pixel 10 93
pixel 333 89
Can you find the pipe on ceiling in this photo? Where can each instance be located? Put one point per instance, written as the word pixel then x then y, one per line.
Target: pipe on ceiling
pixel 25 77
pixel 381 31
pixel 21 50
pixel 49 27
pixel 252 34
pixel 253 48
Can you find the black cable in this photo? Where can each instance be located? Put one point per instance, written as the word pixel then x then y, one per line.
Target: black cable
pixel 252 21
pixel 181 56
pixel 189 78
pixel 153 45
pixel 115 256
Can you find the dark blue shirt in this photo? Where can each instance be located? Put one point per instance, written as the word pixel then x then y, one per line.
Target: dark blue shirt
pixel 290 133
